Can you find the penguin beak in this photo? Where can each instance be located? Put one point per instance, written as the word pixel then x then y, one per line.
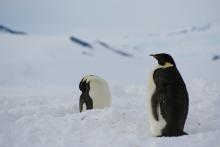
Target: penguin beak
pixel 153 55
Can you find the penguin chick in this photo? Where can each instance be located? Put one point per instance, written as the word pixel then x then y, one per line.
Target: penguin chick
pixel 95 93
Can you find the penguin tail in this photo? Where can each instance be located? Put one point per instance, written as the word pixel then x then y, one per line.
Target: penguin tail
pixel 184 133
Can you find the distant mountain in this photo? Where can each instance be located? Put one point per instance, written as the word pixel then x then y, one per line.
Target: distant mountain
pixel 81 42
pixel 180 32
pixel 91 46
pixel 216 57
pixel 201 28
pixel 122 53
pixel 5 29
pixel 191 30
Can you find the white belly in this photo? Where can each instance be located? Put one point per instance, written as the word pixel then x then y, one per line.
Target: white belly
pixel 156 127
pixel 100 95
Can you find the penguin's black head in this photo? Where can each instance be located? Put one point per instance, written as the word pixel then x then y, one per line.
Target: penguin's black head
pixel 163 58
pixel 82 85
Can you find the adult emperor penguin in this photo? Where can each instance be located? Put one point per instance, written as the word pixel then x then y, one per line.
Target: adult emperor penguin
pixel 167 98
pixel 95 93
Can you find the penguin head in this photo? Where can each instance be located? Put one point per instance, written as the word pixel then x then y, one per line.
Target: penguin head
pixel 164 59
pixel 83 85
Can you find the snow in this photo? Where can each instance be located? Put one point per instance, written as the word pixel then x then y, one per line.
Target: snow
pixel 39 90
pixel 52 119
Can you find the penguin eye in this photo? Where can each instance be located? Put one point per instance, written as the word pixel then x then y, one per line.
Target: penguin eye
pixel 161 62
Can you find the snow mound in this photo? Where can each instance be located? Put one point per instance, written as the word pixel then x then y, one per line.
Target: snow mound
pixel 52 119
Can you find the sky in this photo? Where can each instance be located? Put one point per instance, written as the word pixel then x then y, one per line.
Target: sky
pixel 53 17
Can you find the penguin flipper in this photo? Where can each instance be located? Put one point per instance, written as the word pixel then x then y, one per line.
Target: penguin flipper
pixel 82 85
pixel 81 102
pixel 154 105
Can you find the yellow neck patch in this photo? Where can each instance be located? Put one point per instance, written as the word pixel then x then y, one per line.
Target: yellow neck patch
pixel 167 65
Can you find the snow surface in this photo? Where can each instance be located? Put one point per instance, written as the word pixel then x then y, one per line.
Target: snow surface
pixel 39 90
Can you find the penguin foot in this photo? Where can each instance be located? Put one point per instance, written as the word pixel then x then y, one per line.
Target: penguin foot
pixel 172 134
pixel 184 133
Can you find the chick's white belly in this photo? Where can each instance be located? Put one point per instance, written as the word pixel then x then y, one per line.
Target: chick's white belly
pixel 100 95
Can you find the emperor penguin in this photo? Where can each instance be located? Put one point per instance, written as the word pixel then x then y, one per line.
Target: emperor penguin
pixel 167 98
pixel 95 93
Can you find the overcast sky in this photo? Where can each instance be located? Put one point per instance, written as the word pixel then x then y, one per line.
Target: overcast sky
pixel 67 16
